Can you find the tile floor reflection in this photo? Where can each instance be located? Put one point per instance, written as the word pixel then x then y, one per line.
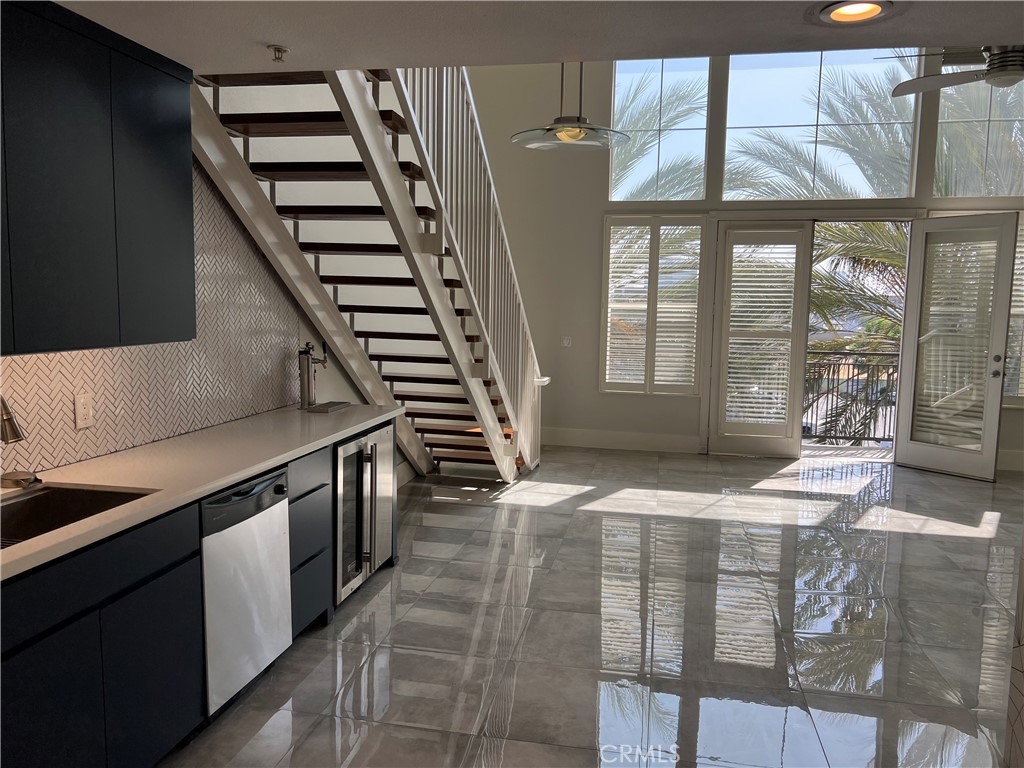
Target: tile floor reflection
pixel 641 609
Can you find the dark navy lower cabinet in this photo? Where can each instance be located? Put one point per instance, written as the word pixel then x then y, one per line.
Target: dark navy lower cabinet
pixel 103 651
pixel 153 667
pixel 52 711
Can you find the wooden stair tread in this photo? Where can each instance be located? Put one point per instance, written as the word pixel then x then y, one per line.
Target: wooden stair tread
pixel 462 457
pixel 380 281
pixel 434 428
pixel 382 309
pixel 318 123
pixel 418 412
pixel 352 249
pixel 318 170
pixel 428 378
pixel 456 444
pixel 345 212
pixel 262 78
pixel 408 336
pixel 437 397
pixel 410 357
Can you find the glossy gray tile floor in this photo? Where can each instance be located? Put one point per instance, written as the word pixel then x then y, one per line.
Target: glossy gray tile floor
pixel 635 609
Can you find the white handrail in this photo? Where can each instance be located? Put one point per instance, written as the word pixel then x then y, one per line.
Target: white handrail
pixel 445 130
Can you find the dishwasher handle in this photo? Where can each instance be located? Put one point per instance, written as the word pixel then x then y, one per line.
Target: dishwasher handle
pixel 242 502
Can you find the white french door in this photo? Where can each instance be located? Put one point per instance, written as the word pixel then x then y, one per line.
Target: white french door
pixel 760 338
pixel 959 281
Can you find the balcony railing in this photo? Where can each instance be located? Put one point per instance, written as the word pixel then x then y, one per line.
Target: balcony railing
pixel 850 397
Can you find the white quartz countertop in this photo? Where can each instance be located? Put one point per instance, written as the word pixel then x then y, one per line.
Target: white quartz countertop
pixel 186 468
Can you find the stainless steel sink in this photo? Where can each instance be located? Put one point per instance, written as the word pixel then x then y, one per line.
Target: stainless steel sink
pixel 49 506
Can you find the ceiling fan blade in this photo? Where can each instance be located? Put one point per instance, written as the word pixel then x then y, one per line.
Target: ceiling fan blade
pixel 935 82
pixel 908 56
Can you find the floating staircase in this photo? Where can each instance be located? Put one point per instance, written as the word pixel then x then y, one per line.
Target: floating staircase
pixel 425 310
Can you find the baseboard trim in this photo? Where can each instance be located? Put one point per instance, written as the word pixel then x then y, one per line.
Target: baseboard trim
pixel 625 441
pixel 1010 461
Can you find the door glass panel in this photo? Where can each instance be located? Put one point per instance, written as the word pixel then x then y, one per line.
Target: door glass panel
pixel 350 517
pixel 761 288
pixel 953 339
pixel 758 388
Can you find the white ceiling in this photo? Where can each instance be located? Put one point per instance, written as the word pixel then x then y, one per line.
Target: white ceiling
pixel 222 37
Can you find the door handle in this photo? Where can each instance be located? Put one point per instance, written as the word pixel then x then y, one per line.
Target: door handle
pixel 373 503
pixel 367 513
pixel 996 374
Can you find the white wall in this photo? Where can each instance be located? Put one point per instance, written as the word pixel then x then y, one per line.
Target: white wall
pixel 554 206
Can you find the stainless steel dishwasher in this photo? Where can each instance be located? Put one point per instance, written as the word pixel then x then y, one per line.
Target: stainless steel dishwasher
pixel 246 584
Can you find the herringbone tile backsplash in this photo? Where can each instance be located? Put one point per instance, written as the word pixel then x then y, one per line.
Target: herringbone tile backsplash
pixel 242 361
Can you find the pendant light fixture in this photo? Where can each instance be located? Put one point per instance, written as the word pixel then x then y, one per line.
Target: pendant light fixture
pixel 570 132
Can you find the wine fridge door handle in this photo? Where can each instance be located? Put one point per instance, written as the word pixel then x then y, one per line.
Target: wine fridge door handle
pixel 373 504
pixel 366 513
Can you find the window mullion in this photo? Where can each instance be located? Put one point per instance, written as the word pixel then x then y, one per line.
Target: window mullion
pixel 926 134
pixel 718 107
pixel 652 305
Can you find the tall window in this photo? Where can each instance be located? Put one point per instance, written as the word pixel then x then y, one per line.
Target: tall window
pixel 662 106
pixel 807 126
pixel 980 148
pixel 652 279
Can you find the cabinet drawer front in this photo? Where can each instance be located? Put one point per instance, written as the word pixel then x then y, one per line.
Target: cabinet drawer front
pixel 310 524
pixel 309 472
pixel 312 591
pixel 45 597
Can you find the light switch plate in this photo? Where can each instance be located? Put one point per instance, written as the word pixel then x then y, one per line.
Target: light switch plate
pixel 84 416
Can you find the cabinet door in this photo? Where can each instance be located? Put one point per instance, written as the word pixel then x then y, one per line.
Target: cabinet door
pixel 6 311
pixel 153 199
pixel 60 189
pixel 53 700
pixel 153 667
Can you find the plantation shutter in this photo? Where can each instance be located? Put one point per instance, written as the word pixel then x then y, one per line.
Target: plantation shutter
pixel 675 358
pixel 1013 383
pixel 953 339
pixel 628 275
pixel 761 298
pixel 651 323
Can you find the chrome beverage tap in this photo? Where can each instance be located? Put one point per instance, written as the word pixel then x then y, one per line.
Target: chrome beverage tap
pixel 307 374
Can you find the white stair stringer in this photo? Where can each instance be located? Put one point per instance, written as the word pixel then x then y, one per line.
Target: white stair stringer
pixel 229 171
pixel 355 100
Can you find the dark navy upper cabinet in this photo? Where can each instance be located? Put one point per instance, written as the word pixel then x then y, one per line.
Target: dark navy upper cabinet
pixel 99 242
pixel 153 200
pixel 60 185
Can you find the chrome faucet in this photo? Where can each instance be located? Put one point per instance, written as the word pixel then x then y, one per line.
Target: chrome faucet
pixel 307 374
pixel 11 432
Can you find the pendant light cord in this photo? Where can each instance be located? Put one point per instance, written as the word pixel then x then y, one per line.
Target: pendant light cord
pixel 579 112
pixel 561 94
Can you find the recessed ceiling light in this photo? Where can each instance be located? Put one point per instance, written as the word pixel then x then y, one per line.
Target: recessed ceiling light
pixel 851 11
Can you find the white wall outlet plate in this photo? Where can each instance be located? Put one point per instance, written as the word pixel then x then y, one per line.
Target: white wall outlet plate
pixel 567 341
pixel 84 416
